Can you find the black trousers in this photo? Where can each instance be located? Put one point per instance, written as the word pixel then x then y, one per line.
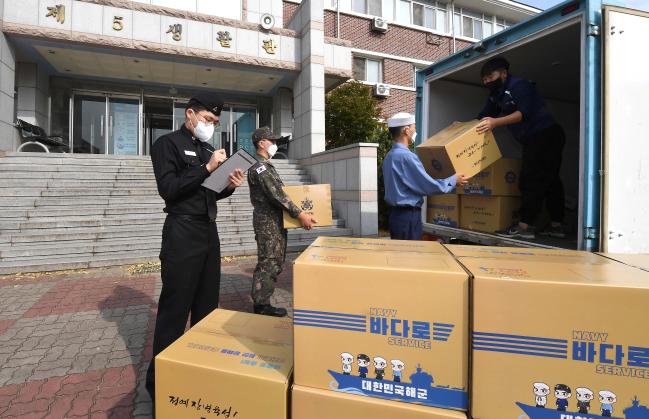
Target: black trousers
pixel 540 181
pixel 405 223
pixel 191 277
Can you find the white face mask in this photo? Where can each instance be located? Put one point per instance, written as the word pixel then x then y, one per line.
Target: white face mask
pixel 271 150
pixel 203 131
pixel 413 138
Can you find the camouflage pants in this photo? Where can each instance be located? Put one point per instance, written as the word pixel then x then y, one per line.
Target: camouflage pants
pixel 271 253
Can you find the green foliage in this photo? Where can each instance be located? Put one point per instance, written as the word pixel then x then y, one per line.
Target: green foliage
pixel 351 115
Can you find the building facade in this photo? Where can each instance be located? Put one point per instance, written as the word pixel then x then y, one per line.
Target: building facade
pixel 111 76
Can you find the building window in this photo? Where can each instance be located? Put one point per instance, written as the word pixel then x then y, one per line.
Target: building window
pixel 432 15
pixel 367 7
pixel 476 25
pixel 366 69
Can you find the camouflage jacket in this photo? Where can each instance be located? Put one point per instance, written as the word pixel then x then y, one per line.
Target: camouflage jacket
pixel 267 196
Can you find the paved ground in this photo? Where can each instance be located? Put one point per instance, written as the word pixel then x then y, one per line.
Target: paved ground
pixel 76 345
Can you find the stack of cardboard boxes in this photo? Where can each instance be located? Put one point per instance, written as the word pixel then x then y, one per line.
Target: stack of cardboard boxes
pixel 557 334
pixel 413 330
pixel 491 200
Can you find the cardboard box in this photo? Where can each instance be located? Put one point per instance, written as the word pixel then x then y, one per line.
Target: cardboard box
pixel 443 210
pixel 371 311
pixel 315 200
pixel 499 179
pixel 640 261
pixel 556 326
pixel 310 403
pixel 488 213
pixel 518 253
pixel 224 362
pixel 458 149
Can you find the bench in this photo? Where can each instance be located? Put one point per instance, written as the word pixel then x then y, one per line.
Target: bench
pixel 35 135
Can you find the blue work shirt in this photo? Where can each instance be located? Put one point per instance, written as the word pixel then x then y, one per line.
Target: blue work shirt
pixel 519 95
pixel 406 182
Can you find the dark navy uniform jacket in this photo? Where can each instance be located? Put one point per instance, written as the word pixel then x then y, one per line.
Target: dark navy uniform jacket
pixel 521 95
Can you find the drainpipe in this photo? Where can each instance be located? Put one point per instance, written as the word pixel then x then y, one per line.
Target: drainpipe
pixel 338 19
pixel 453 26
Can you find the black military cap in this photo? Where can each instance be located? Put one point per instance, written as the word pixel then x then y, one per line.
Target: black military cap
pixel 210 101
pixel 264 133
pixel 495 64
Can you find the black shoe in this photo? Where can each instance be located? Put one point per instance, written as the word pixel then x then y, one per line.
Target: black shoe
pixel 268 310
pixel 553 231
pixel 517 232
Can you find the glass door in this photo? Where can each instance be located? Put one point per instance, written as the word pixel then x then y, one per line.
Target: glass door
pixel 105 124
pixel 123 126
pixel 158 120
pixel 89 124
pixel 244 123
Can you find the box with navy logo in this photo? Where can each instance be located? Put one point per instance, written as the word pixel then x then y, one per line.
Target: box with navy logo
pixel 458 148
pixel 499 179
pixel 382 318
pixel 312 403
pixel 443 209
pixel 222 363
pixel 488 213
pixel 559 340
pixel 315 200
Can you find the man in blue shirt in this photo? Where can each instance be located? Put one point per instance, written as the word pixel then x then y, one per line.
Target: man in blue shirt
pixel 406 182
pixel 515 102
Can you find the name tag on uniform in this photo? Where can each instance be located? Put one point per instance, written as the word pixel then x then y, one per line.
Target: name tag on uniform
pixel 190 153
pixel 261 169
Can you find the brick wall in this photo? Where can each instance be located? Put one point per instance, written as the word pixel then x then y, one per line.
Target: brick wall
pixel 397 72
pixel 399 101
pixel 289 11
pixel 398 40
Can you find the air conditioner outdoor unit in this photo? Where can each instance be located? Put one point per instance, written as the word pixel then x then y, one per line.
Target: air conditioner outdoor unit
pixel 382 90
pixel 379 25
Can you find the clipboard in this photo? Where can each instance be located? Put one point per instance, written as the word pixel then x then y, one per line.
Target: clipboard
pixel 218 180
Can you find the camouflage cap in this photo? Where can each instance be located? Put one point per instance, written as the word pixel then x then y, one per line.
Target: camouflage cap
pixel 264 133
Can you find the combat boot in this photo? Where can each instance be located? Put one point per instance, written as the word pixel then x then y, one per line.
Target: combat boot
pixel 269 310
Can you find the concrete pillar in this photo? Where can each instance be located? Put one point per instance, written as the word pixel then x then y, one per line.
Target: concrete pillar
pixel 8 133
pixel 32 87
pixel 308 90
pixel 283 112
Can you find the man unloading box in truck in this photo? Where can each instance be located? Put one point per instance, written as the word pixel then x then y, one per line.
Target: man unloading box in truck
pixel 406 182
pixel 515 102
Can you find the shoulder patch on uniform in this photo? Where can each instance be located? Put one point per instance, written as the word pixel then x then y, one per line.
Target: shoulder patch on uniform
pixel 261 169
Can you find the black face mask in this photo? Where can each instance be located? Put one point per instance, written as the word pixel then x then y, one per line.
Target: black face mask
pixel 495 85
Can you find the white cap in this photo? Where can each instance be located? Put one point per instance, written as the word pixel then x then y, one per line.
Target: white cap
pixel 401 119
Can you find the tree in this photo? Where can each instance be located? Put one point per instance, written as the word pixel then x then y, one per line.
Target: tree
pixel 352 115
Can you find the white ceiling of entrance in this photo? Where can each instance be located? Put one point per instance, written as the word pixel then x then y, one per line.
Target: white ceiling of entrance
pixel 96 64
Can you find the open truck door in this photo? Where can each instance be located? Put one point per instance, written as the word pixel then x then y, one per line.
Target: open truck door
pixel 625 203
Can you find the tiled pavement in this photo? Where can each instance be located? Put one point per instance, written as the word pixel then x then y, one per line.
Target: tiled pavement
pixel 77 345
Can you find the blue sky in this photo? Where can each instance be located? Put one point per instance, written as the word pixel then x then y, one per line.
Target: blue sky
pixel 544 4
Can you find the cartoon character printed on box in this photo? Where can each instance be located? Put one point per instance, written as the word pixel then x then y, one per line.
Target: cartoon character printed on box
pixel 379 367
pixel 541 391
pixel 562 392
pixel 584 396
pixel 397 368
pixel 607 399
pixel 347 360
pixel 363 362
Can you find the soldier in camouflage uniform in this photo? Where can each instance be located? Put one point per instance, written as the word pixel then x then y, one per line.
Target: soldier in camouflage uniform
pixel 269 200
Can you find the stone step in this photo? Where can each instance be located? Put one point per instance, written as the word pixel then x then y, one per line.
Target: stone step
pixel 84 261
pixel 82 158
pixel 116 231
pixel 103 183
pixel 28 250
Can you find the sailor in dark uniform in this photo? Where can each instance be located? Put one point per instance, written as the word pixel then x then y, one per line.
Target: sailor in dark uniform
pixel 190 255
